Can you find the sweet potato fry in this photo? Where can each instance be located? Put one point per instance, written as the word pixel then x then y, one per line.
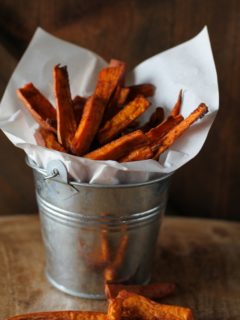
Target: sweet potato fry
pixel 142 153
pixel 180 128
pixel 118 63
pixel 156 134
pixel 122 119
pixel 66 123
pixel 131 127
pixel 78 105
pixel 123 96
pixel 155 119
pixel 108 79
pixel 146 89
pixel 48 139
pixel 120 147
pixel 40 108
pixel 90 121
pixel 114 309
pixel 152 291
pixel 112 107
pixel 139 307
pixel 62 315
pixel 118 99
pixel 177 107
pixel 119 95
pixel 94 108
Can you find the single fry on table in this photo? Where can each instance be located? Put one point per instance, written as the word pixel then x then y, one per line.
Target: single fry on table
pixel 137 306
pixel 62 315
pixel 155 290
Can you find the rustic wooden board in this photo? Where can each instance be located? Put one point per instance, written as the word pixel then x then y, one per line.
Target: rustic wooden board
pixel 201 256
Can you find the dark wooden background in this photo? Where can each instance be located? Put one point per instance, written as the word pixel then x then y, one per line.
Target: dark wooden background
pixel 134 30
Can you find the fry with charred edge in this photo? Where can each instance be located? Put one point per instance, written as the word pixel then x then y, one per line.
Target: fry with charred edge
pixel 111 271
pixel 78 105
pixel 46 138
pixel 143 153
pixel 91 118
pixel 132 127
pixel 66 315
pixel 139 307
pixel 179 129
pixel 66 123
pixel 108 79
pixel 118 99
pixel 146 89
pixel 119 95
pixel 114 309
pixel 94 108
pixel 112 107
pixel 118 63
pixel 152 291
pixel 156 118
pixel 120 147
pixel 122 119
pixel 156 134
pixel 177 108
pixel 40 108
pixel 123 96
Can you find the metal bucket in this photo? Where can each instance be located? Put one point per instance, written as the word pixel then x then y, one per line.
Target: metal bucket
pixel 97 233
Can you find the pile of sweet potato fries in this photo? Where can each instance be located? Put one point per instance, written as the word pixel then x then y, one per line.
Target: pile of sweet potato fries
pixel 103 126
pixel 125 306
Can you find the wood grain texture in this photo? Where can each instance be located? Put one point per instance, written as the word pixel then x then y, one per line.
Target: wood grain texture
pixel 134 30
pixel 201 256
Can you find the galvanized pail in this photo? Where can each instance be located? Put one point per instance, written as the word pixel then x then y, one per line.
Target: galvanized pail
pixel 97 233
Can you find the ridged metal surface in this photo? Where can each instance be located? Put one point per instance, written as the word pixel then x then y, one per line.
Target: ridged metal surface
pixel 89 230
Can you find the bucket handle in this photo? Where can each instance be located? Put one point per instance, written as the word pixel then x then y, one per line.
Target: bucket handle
pixel 57 170
pixel 52 175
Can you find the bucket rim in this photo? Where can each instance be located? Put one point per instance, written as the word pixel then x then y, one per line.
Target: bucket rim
pixel 42 171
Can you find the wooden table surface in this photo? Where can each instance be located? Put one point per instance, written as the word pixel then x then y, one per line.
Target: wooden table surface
pixel 201 256
pixel 134 30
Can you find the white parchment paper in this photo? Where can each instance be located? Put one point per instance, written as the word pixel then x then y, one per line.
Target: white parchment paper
pixel 189 66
